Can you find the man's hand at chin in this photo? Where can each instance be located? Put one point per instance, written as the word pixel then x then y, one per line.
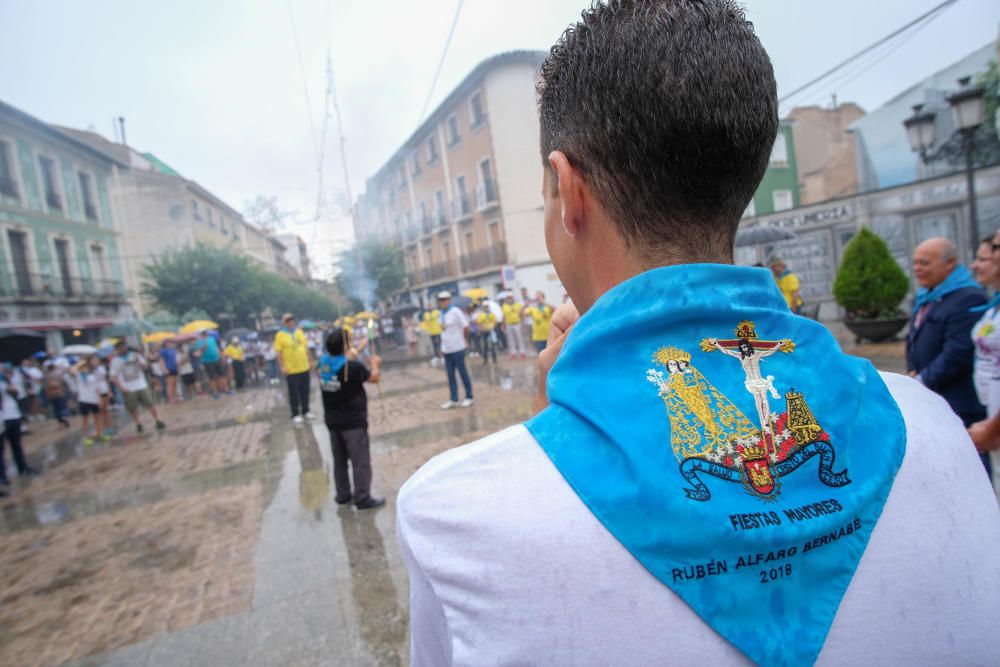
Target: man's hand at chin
pixel 563 319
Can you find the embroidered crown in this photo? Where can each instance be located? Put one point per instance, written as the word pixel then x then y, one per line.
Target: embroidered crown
pixel 746 329
pixel 753 453
pixel 665 354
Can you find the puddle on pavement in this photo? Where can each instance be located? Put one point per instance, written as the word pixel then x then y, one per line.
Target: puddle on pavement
pixel 22 513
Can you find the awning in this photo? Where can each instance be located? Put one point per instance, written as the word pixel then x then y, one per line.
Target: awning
pixel 58 325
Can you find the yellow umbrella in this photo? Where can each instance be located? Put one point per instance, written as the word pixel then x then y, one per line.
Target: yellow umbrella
pixel 198 325
pixel 476 293
pixel 366 315
pixel 158 336
pixel 107 342
pixel 350 321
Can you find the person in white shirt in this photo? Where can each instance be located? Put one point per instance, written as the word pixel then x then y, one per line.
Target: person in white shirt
pixel 91 383
pixel 128 373
pixel 657 121
pixel 10 413
pixel 455 324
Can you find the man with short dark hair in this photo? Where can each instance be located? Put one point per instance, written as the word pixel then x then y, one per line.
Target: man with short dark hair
pixel 454 333
pixel 653 511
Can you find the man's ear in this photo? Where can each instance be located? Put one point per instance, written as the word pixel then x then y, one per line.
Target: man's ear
pixel 571 192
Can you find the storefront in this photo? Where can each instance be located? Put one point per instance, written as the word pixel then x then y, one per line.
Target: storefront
pixel 903 216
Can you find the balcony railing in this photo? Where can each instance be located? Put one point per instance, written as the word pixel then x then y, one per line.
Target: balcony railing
pixel 494 255
pixel 45 287
pixel 486 195
pixel 433 272
pixel 439 218
pixel 460 207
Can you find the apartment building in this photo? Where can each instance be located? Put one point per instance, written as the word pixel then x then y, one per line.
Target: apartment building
pixel 779 189
pixel 159 210
pixel 826 155
pixel 60 251
pixel 461 197
pixel 296 256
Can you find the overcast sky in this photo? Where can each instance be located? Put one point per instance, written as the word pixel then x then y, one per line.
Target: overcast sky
pixel 215 89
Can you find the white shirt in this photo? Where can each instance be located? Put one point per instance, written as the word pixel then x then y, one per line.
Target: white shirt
pixel 89 385
pixel 9 408
pixel 508 566
pixel 455 322
pixel 127 371
pixel 35 376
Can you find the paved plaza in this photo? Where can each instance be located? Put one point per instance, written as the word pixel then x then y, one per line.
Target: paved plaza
pixel 218 541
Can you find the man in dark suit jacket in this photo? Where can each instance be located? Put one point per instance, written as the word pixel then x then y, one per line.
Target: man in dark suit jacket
pixel 939 349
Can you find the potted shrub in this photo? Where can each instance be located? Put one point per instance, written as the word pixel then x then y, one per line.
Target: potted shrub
pixel 870 285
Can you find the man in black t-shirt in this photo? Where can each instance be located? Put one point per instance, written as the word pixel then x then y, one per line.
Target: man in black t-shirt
pixel 345 407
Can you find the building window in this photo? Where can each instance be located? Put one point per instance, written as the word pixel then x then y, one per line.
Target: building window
pixel 782 200
pixel 779 152
pixel 476 111
pixel 402 177
pixel 50 180
pixel 211 221
pixel 486 190
pixel 222 224
pixel 18 242
pixel 8 185
pixel 195 213
pixel 87 194
pixel 432 149
pixel 236 230
pixel 439 215
pixel 751 210
pixel 453 136
pixel 415 167
pixel 62 262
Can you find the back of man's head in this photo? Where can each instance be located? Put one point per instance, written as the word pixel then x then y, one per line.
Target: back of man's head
pixel 669 110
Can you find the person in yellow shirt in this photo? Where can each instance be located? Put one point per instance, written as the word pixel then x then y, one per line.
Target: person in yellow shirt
pixel 487 322
pixel 432 325
pixel 296 362
pixel 237 359
pixel 788 283
pixel 541 316
pixel 512 326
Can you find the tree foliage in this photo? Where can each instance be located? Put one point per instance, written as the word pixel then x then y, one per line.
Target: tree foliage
pixel 384 273
pixel 265 213
pixel 216 283
pixel 870 283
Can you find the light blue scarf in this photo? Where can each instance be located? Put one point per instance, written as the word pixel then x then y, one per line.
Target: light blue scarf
pixel 329 366
pixel 958 279
pixel 656 423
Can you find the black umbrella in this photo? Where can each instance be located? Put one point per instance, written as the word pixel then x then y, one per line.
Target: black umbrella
pixel 405 309
pixel 760 234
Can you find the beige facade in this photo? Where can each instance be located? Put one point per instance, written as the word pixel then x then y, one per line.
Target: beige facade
pixel 462 197
pixel 159 210
pixel 825 151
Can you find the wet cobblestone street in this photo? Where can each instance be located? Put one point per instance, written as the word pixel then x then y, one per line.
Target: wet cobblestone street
pixel 218 542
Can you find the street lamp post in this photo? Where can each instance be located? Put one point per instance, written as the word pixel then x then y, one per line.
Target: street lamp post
pixel 968 106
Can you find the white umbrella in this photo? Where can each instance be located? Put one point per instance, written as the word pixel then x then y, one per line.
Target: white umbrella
pixel 79 349
pixel 504 294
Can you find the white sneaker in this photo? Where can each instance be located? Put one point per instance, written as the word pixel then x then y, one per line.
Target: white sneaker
pixel 448 405
pixel 467 403
pixel 297 419
pixel 310 416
